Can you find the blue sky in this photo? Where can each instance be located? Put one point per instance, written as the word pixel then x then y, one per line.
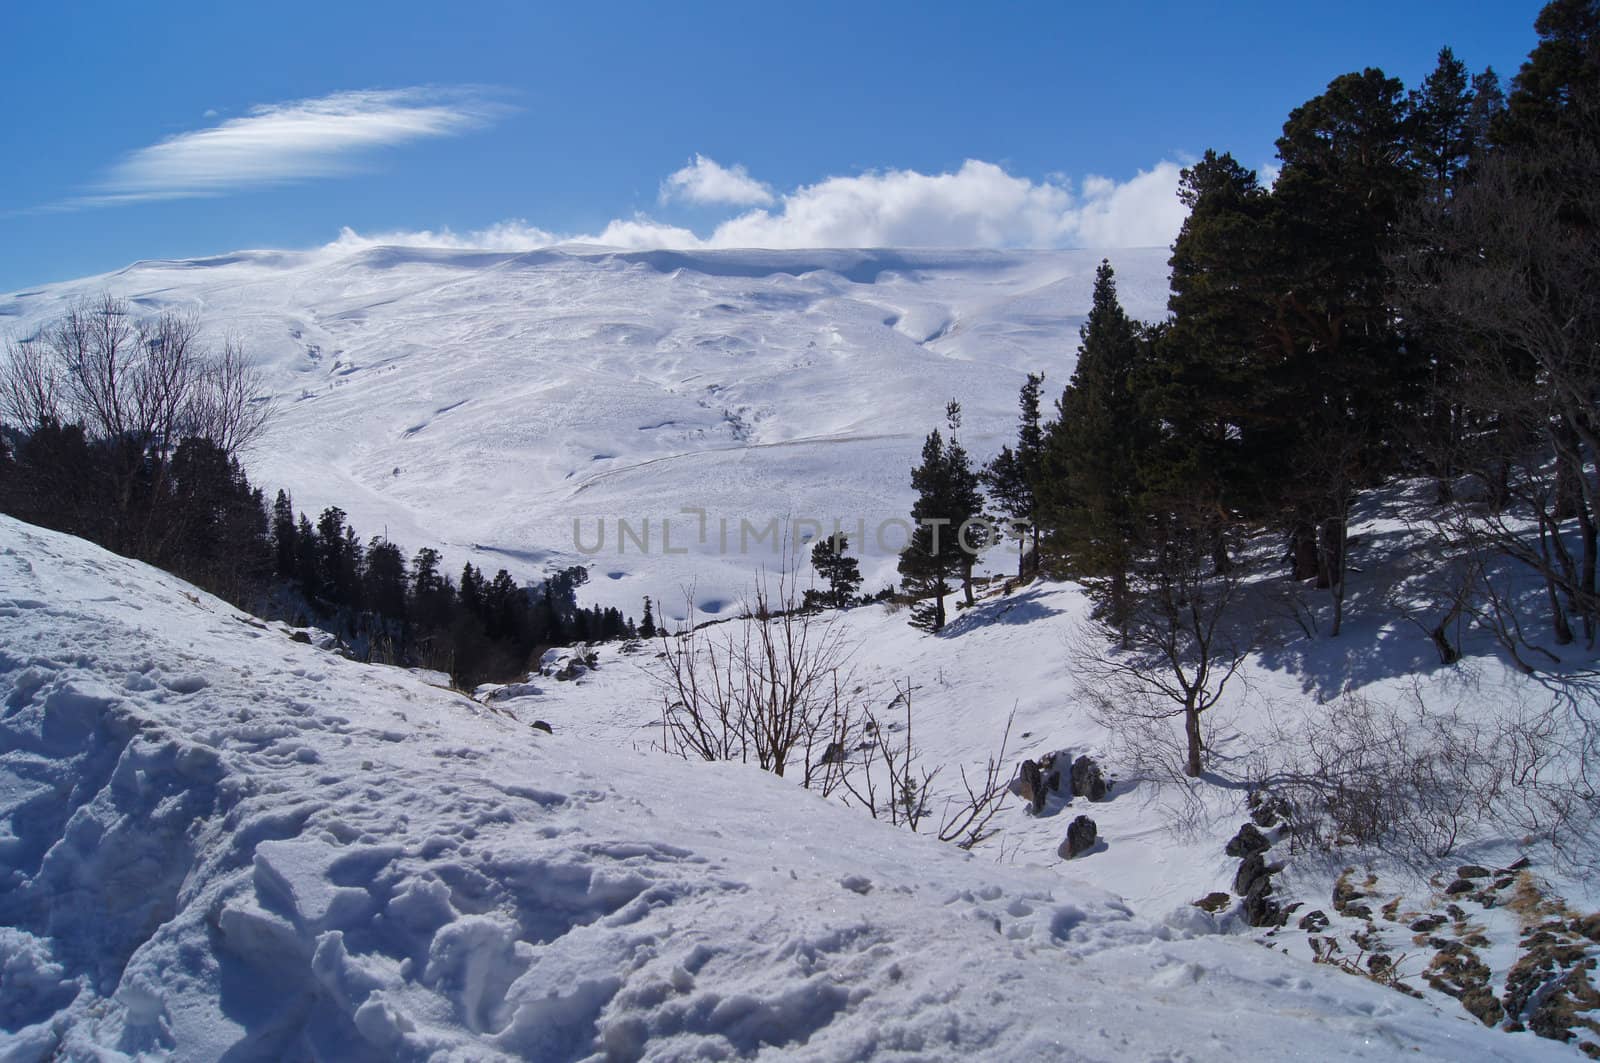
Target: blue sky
pixel 177 129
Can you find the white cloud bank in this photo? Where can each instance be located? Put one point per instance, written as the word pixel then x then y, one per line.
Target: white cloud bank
pixel 707 181
pixel 283 142
pixel 978 206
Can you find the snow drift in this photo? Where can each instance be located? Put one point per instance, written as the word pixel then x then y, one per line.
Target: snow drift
pixel 221 843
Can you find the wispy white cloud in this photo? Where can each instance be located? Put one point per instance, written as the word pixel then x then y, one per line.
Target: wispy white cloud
pixel 707 181
pixel 280 143
pixel 979 205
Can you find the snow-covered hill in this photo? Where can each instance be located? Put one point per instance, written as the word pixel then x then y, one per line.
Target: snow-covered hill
pixel 220 843
pixel 483 402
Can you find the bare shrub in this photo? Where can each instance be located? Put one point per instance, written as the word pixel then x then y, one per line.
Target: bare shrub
pixel 1414 781
pixel 775 687
pixel 906 790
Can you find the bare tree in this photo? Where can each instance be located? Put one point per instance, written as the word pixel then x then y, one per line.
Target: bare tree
pixel 30 386
pixel 1180 646
pixel 139 387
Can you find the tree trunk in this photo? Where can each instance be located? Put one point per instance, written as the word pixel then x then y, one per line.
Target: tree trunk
pixel 1302 551
pixel 1191 730
pixel 1221 563
pixel 1331 567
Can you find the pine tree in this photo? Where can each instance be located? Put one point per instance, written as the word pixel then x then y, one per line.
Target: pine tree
pixel 283 535
pixel 1441 128
pixel 1090 479
pixel 1217 432
pixel 647 626
pixel 1013 475
pixel 947 501
pixel 840 573
pixel 1338 361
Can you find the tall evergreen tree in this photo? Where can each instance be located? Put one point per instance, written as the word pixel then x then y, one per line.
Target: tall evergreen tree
pixel 1339 364
pixel 947 500
pixel 1091 479
pixel 1442 128
pixel 283 535
pixel 1012 476
pixel 1218 431
pixel 647 626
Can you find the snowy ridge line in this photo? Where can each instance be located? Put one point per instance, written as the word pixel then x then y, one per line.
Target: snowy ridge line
pixel 219 843
pixel 736 362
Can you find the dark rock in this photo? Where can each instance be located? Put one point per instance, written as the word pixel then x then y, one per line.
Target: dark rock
pixel 1455 911
pixel 1252 869
pixel 1258 907
pixel 1087 779
pixel 1312 922
pixel 1344 893
pixel 1358 911
pixel 300 636
pixel 1522 862
pixel 1588 926
pixel 1267 810
pixel 834 754
pixel 1247 842
pixel 1032 786
pixel 1428 923
pixel 1379 962
pixel 1214 902
pixel 1472 871
pixel 540 725
pixel 1052 781
pixel 1459 886
pixel 1081 836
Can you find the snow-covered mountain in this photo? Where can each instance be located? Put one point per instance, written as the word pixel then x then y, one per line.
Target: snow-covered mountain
pixel 224 844
pixel 484 402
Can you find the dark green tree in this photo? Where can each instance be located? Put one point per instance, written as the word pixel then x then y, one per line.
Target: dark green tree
pixel 1012 476
pixel 647 626
pixel 1090 482
pixel 839 572
pixel 947 508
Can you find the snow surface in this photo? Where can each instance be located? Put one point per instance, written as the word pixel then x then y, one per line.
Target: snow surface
pixel 221 843
pixel 481 402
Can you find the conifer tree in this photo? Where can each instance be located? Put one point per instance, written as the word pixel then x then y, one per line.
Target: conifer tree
pixel 947 501
pixel 1090 480
pixel 647 626
pixel 283 535
pixel 839 572
pixel 1012 476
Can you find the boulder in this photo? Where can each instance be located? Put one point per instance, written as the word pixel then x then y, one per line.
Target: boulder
pixel 1248 842
pixel 540 725
pixel 1214 902
pixel 1312 922
pixel 1472 871
pixel 1259 908
pixel 1087 779
pixel 1252 869
pixel 1081 836
pixel 1031 786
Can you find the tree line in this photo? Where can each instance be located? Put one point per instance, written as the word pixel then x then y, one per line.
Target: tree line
pixel 1416 295
pixel 127 431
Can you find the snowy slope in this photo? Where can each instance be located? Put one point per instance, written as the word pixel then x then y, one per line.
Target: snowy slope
pixel 220 842
pixel 484 401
